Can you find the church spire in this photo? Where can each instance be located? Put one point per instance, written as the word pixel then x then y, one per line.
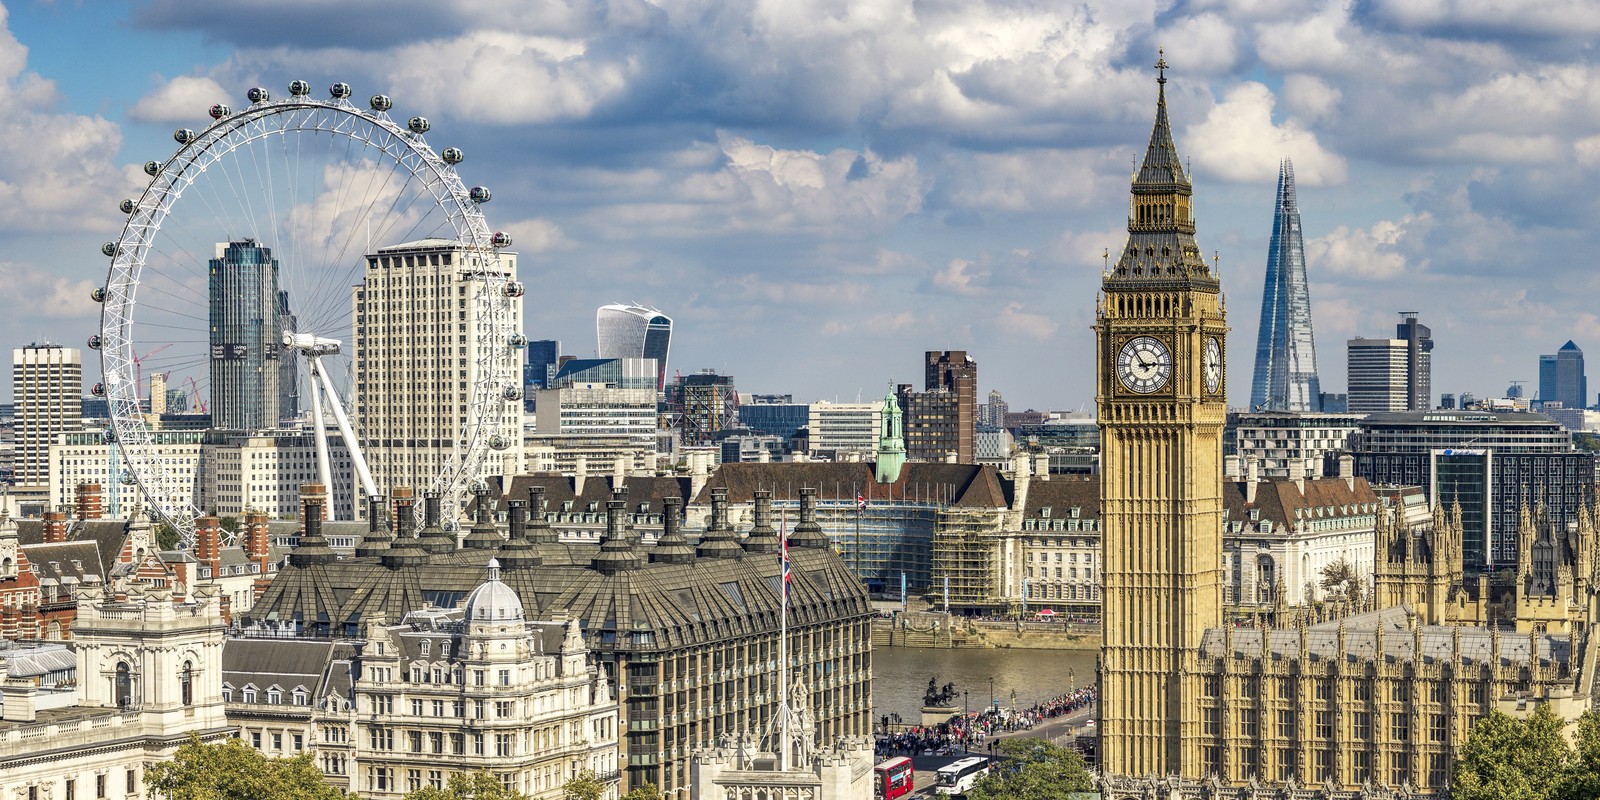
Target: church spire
pixel 1161 247
pixel 1162 170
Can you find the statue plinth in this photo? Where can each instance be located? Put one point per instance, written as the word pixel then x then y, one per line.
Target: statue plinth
pixel 938 715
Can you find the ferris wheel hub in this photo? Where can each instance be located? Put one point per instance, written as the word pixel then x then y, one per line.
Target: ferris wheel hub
pixel 310 343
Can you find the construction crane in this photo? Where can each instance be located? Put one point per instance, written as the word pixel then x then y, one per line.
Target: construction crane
pixel 138 367
pixel 196 401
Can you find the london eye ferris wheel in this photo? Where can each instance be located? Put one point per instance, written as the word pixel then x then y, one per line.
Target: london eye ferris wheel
pixel 231 286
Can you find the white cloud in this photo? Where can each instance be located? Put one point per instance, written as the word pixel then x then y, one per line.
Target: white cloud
pixel 184 100
pixel 1239 142
pixel 1014 320
pixel 535 235
pixel 1309 97
pixel 1368 253
pixel 959 277
pixel 32 292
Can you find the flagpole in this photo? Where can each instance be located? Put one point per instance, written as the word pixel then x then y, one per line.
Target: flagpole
pixel 783 652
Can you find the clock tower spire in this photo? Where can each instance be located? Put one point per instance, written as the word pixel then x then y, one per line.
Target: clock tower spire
pixel 1160 336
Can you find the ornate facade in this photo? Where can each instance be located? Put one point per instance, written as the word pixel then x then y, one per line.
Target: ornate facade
pixel 1362 706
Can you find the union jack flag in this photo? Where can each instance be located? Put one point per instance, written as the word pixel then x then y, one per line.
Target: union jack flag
pixel 786 561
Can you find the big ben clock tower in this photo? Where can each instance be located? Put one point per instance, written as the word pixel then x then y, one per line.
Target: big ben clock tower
pixel 1160 342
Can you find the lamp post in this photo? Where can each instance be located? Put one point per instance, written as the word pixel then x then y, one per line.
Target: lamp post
pixel 991 692
pixel 1072 680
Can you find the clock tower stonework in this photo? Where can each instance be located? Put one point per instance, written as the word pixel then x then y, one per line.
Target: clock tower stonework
pixel 1160 346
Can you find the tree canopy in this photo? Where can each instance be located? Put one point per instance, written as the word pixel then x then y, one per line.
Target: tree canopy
pixel 1033 769
pixel 583 787
pixel 1505 758
pixel 478 785
pixel 232 770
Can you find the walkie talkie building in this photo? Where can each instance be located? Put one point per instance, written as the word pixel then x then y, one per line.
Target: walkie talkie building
pixel 1286 355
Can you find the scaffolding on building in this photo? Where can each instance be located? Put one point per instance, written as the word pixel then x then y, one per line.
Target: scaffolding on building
pixel 701 404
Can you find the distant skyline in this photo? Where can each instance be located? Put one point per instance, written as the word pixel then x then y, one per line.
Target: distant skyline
pixel 819 192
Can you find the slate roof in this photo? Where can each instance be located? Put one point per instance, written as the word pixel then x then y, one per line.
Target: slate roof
pixel 1281 500
pixel 66 563
pixel 285 663
pixel 960 485
pixel 1061 494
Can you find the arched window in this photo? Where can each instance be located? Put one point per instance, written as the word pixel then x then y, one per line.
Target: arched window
pixel 123 686
pixel 186 680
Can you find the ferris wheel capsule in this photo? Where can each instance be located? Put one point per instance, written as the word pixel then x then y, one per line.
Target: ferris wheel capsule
pixel 98 390
pixel 109 435
pixel 498 442
pixel 339 90
pixel 152 167
pixel 127 206
pixel 299 88
pixel 183 136
pixel 513 289
pixel 519 341
pixel 381 102
pixel 127 478
pixel 511 393
pixel 500 239
pixel 258 94
pixel 109 248
pixel 219 111
pixel 480 194
pixel 98 295
pixel 452 155
pixel 418 124
pixel 94 342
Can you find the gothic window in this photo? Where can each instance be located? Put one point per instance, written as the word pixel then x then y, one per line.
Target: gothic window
pixel 186 683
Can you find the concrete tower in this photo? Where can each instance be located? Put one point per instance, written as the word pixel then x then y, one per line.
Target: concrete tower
pixel 1286 355
pixel 47 390
pixel 1160 342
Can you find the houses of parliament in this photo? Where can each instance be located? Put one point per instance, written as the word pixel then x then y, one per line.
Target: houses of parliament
pixel 1374 704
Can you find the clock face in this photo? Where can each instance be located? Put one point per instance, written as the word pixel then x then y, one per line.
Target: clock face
pixel 1213 364
pixel 1144 364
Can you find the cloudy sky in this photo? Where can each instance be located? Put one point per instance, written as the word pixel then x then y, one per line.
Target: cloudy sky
pixel 820 190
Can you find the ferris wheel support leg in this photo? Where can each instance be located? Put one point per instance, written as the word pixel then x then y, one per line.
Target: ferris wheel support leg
pixel 324 470
pixel 348 434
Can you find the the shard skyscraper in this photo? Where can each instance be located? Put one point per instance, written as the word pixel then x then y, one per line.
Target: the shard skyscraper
pixel 1286 355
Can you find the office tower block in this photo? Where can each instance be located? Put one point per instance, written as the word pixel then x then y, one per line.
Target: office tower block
pixel 1562 379
pixel 416 349
pixel 1377 375
pixel 1160 334
pixel 46 387
pixel 993 413
pixel 1419 361
pixel 701 404
pixel 543 356
pixel 955 372
pixel 625 331
pixel 1286 354
pixel 248 315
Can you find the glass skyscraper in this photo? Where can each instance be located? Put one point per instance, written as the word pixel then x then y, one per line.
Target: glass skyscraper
pixel 626 331
pixel 251 385
pixel 1561 378
pixel 1286 356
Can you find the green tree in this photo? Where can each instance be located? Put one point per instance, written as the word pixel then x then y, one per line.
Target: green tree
pixel 646 792
pixel 1340 581
pixel 1033 769
pixel 166 537
pixel 478 785
pixel 231 770
pixel 584 787
pixel 1583 781
pixel 1505 758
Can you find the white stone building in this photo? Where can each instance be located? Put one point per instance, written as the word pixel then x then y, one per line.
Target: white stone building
pixel 47 393
pixel 146 673
pixel 845 427
pixel 418 334
pixel 445 691
pixel 86 457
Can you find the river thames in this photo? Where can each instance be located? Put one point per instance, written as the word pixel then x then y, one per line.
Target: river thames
pixel 900 676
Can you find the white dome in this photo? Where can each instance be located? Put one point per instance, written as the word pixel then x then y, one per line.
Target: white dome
pixel 493 601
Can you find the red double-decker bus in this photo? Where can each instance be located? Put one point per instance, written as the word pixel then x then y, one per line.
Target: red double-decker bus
pixel 893 778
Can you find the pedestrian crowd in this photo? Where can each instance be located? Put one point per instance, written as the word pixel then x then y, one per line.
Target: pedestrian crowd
pixel 970 730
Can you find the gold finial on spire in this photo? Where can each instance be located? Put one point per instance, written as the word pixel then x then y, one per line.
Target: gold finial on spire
pixel 1161 66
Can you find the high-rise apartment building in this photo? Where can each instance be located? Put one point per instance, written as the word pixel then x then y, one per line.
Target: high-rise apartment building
pixel 630 331
pixel 931 423
pixel 993 413
pixel 955 372
pixel 1419 361
pixel 1377 375
pixel 1562 379
pixel 1392 374
pixel 252 378
pixel 1286 354
pixel 46 386
pixel 417 339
